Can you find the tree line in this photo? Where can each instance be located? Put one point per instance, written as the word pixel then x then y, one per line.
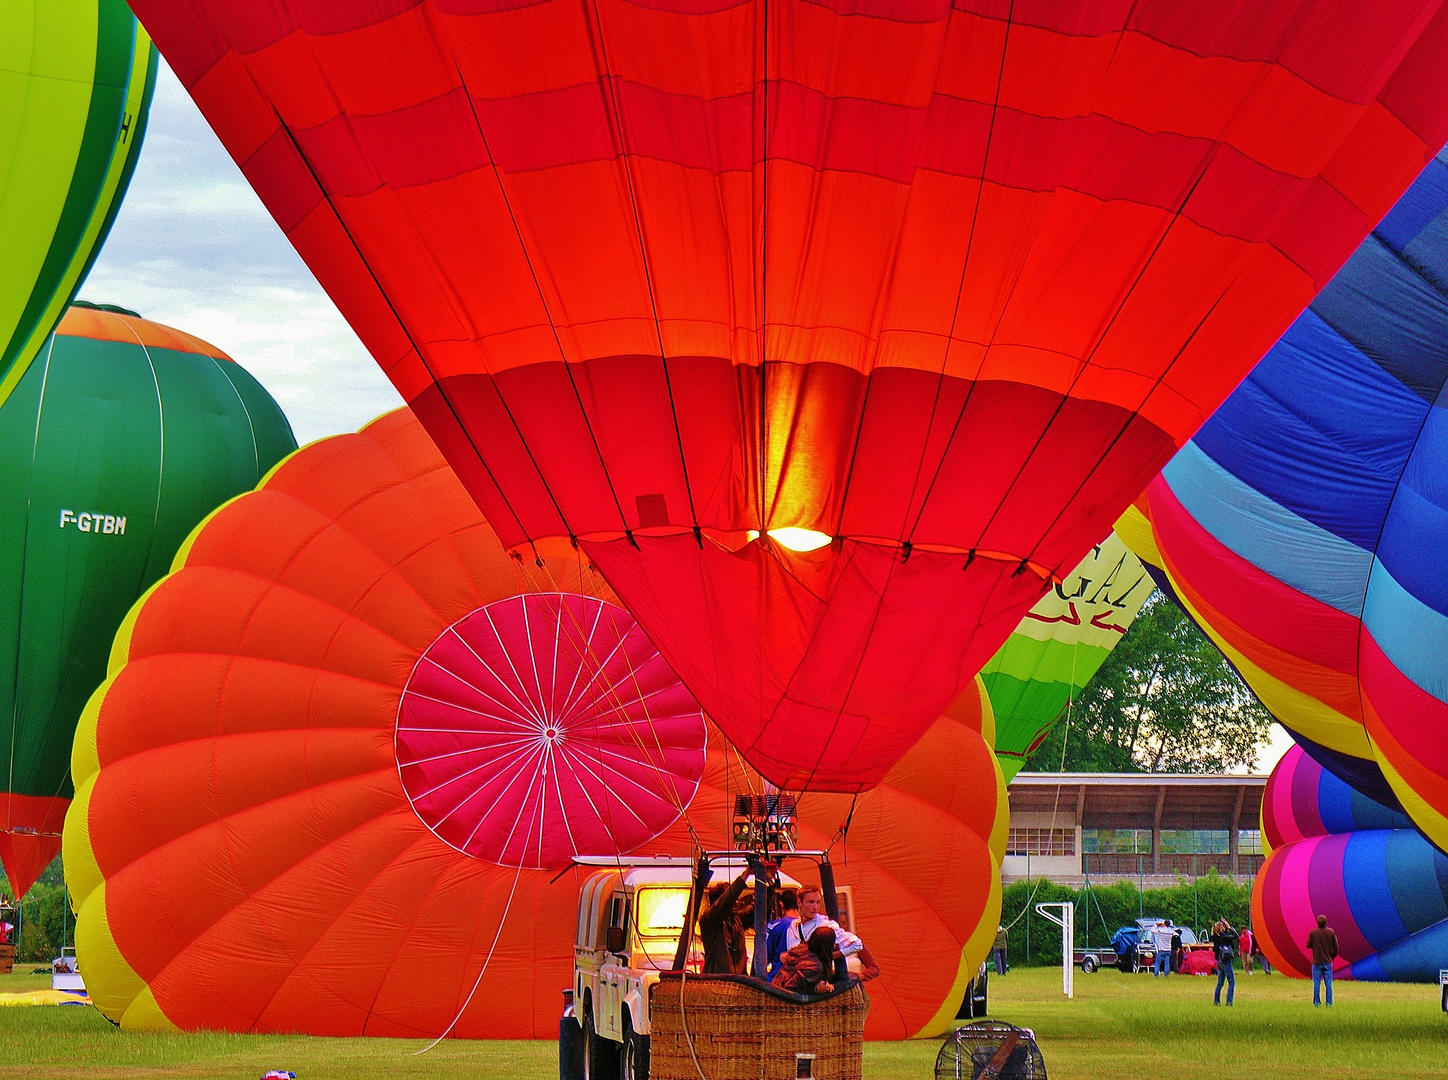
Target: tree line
pixel 1165 700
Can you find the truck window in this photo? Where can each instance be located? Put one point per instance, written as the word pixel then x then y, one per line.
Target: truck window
pixel 661 911
pixel 618 911
pixel 845 894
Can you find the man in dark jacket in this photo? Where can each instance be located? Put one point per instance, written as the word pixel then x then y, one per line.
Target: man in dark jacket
pixel 1322 943
pixel 721 928
pixel 1224 949
pixel 1002 944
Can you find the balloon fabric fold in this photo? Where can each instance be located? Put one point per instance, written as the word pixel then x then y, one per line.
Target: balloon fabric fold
pixel 345 747
pixel 118 440
pixel 697 286
pixel 1060 644
pixel 76 81
pixel 1303 526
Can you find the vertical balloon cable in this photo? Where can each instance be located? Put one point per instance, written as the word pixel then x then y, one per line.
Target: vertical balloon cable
pixel 543 301
pixel 417 349
pixel 1208 159
pixel 960 293
pixel 611 96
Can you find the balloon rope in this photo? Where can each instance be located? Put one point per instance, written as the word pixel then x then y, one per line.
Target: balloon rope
pixel 666 789
pixel 498 933
pixel 482 971
pixel 684 1022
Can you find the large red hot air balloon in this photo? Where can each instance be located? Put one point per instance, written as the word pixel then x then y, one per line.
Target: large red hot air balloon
pixel 830 331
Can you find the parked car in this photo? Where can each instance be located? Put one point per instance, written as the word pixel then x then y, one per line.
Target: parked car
pixel 977 992
pixel 1133 944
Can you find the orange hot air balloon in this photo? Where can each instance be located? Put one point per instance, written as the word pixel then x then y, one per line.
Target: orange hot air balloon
pixel 832 332
pixel 330 780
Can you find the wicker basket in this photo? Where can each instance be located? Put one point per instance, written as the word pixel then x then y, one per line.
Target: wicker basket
pixel 740 1029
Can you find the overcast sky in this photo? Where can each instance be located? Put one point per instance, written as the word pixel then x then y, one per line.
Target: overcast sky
pixel 194 248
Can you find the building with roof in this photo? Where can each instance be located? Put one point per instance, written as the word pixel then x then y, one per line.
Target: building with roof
pixel 1149 828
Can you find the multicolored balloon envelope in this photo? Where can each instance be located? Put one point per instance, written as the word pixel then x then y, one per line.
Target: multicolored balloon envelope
pixel 831 332
pixel 1063 640
pixel 118 440
pixel 1303 527
pixel 1335 852
pixel 347 746
pixel 75 89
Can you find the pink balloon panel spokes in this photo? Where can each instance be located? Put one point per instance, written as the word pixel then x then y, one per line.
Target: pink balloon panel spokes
pixel 546 726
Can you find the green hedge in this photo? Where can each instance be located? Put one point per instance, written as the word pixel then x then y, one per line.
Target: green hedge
pixel 1102 909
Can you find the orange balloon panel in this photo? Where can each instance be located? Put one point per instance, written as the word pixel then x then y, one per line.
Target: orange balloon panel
pixel 248 853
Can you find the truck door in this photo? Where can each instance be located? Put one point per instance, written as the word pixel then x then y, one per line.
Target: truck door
pixel 616 968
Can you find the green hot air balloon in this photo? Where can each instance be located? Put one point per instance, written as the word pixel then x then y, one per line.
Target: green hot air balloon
pixel 120 439
pixel 76 78
pixel 1059 645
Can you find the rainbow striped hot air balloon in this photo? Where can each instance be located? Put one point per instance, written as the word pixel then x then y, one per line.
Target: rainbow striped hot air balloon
pixel 76 78
pixel 1303 527
pixel 118 440
pixel 1335 852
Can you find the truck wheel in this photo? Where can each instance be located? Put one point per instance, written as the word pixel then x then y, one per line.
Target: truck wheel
pixel 570 1049
pixel 1088 965
pixel 633 1060
pixel 600 1055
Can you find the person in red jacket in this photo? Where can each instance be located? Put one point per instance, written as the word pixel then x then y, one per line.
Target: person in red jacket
pixel 1322 943
pixel 1244 949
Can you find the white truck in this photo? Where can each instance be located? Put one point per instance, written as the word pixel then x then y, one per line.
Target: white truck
pixel 631 916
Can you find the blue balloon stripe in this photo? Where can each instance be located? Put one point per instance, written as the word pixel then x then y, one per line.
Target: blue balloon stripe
pixel 1424 201
pixel 1335 804
pixel 1290 548
pixel 1411 634
pixel 1390 312
pixel 1408 866
pixel 1332 457
pixel 1415 959
pixel 1368 813
pixel 1369 894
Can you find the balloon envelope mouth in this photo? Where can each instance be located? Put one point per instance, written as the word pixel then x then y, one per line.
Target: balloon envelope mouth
pixel 546 726
pixel 796 539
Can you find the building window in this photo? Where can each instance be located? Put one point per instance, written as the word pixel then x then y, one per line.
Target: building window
pixel 1194 841
pixel 1041 842
pixel 1116 841
pixel 1249 841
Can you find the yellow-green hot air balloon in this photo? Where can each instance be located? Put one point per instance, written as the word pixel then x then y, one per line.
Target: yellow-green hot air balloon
pixel 76 78
pixel 1059 645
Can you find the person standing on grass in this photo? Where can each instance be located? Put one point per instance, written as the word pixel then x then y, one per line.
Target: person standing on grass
pixel 1224 949
pixel 1002 943
pixel 1322 943
pixel 1260 956
pixel 1244 947
pixel 1161 935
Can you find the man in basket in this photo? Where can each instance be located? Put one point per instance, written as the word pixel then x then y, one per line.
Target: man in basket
pixel 811 918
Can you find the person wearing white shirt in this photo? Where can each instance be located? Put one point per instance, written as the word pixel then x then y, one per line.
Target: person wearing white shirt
pixel 811 918
pixel 1161 935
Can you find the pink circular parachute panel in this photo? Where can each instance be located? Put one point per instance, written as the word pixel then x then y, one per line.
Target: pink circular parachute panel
pixel 546 726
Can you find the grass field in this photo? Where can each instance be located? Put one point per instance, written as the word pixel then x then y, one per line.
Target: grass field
pixel 1118 1026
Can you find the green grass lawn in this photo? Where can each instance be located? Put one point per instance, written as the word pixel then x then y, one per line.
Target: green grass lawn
pixel 1119 1026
